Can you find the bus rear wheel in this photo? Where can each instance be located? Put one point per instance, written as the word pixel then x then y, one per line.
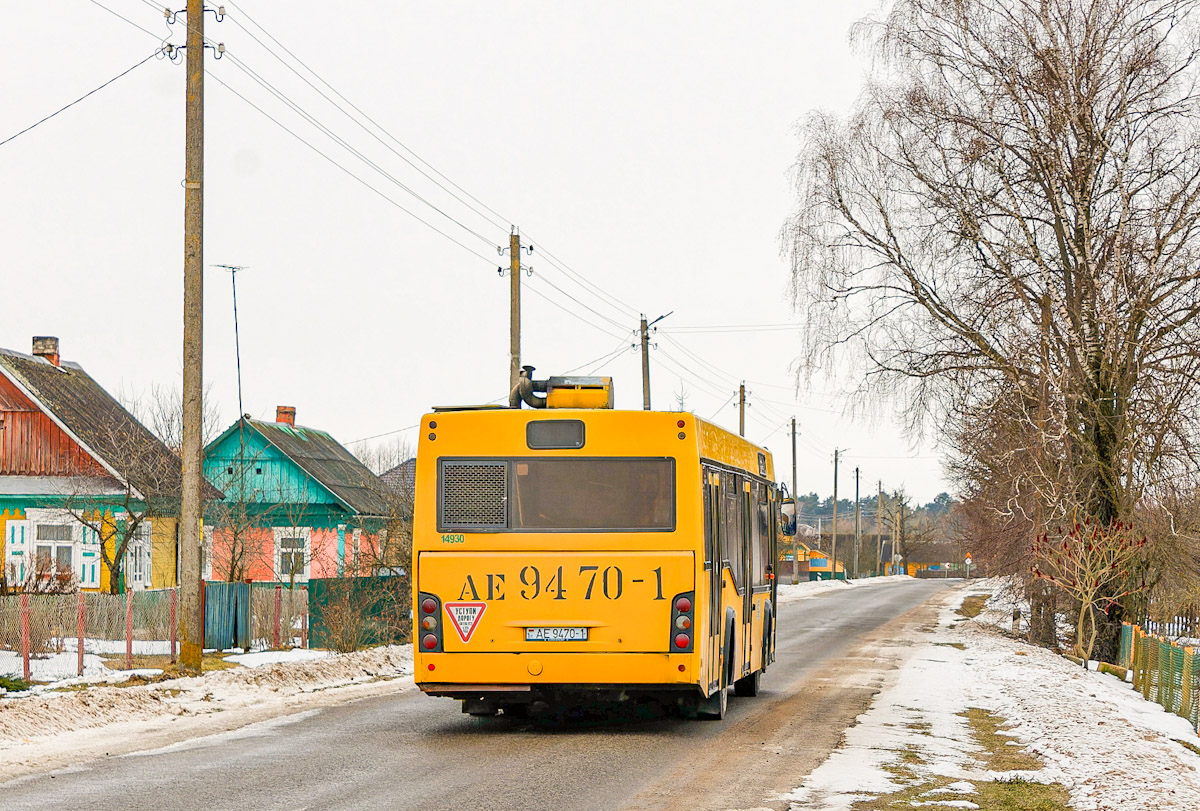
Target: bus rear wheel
pixel 747 686
pixel 713 708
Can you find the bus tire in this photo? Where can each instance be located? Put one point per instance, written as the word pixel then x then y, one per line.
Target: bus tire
pixel 747 686
pixel 713 708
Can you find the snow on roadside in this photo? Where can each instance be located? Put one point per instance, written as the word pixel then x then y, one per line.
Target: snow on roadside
pixel 48 712
pixel 1111 749
pixel 802 591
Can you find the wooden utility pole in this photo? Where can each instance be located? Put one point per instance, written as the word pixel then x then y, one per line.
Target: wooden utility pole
pixel 794 458
pixel 514 310
pixel 879 529
pixel 833 546
pixel 742 409
pixel 191 617
pixel 645 366
pixel 645 328
pixel 857 523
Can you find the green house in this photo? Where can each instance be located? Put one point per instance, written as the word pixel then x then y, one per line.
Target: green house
pixel 297 505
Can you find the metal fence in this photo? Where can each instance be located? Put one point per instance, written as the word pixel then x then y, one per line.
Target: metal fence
pixel 39 626
pixel 278 616
pixel 1163 672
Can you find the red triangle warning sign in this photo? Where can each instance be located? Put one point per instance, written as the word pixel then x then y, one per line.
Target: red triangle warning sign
pixel 465 618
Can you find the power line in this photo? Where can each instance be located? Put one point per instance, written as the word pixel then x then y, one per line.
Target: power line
pixel 722 407
pixel 500 220
pixel 299 138
pixel 85 95
pixel 605 357
pixel 572 313
pixel 616 324
pixel 126 19
pixel 281 96
pixel 699 329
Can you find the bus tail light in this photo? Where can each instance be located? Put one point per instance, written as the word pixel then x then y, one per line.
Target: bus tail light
pixel 682 622
pixel 429 606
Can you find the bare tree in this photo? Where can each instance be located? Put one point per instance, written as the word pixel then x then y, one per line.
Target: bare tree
pixel 1091 563
pixel 148 487
pixel 1006 229
pixel 161 410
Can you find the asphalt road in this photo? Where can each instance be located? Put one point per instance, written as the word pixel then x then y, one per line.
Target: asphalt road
pixel 410 751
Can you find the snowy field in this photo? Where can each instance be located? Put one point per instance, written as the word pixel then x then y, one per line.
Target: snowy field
pixel 1091 732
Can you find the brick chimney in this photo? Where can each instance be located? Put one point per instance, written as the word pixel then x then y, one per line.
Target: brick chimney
pixel 46 346
pixel 286 415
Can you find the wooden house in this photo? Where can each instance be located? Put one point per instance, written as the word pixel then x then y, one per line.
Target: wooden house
pixel 297 505
pixel 85 489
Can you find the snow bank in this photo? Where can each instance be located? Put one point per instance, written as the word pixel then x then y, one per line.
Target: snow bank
pixel 1111 749
pixel 53 712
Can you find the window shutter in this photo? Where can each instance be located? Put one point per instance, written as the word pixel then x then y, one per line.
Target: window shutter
pixel 17 549
pixel 89 558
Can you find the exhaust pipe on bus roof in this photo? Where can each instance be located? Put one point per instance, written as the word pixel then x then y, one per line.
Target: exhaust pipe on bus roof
pixel 525 388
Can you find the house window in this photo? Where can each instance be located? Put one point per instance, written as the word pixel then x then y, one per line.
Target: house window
pixel 293 553
pixel 54 550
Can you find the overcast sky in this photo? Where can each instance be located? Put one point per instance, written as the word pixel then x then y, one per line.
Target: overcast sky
pixel 641 147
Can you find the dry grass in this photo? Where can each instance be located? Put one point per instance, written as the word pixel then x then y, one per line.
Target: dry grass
pixel 1006 794
pixel 972 606
pixel 210 661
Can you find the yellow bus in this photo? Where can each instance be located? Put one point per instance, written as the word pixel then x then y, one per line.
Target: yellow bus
pixel 568 553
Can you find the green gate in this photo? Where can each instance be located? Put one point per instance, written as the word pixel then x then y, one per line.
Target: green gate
pixel 227 615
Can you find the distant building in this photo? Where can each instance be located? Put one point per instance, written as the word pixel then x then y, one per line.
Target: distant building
pixel 402 478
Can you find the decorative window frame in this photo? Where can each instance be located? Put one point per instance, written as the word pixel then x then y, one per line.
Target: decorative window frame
pixel 293 532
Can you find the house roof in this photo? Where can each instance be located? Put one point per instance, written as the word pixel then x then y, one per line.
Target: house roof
pixel 401 478
pixel 328 463
pixel 100 424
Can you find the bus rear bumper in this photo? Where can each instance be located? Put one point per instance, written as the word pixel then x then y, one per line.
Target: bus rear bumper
pixel 453 674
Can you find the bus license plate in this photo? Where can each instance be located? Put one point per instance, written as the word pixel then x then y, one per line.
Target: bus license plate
pixel 556 634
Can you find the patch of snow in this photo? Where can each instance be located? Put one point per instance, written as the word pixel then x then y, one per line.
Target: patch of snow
pixel 1096 736
pixel 802 591
pixel 271 657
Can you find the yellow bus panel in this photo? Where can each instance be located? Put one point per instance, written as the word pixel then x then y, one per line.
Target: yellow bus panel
pixel 622 599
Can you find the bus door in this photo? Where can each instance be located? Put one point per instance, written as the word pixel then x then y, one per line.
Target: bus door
pixel 748 578
pixel 715 574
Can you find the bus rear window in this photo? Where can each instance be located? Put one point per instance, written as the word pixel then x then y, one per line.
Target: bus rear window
pixel 593 494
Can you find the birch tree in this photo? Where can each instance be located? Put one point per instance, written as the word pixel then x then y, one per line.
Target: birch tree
pixel 1003 235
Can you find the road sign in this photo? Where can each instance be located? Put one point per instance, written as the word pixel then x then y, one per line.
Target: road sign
pixel 465 618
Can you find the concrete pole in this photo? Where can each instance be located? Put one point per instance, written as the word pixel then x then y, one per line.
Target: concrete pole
pixel 795 501
pixel 879 528
pixel 833 546
pixel 857 523
pixel 191 619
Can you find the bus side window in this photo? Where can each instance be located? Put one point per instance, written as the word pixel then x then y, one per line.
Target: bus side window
pixel 760 538
pixel 708 520
pixel 731 538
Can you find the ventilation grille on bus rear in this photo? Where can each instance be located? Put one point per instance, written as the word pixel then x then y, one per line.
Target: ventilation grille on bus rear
pixel 474 494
